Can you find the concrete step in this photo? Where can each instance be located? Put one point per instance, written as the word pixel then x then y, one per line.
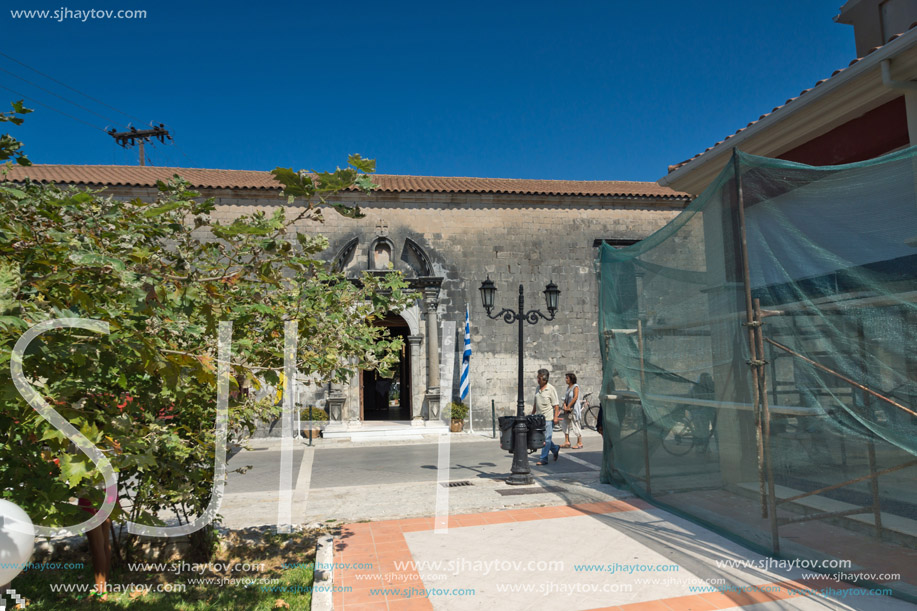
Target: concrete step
pixel 384 432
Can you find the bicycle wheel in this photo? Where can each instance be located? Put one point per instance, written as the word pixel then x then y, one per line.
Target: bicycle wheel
pixel 591 417
pixel 679 439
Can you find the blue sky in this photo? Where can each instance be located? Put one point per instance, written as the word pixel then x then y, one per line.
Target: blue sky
pixel 580 90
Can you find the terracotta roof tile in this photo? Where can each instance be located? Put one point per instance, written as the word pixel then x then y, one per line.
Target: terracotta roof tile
pixel 146 176
pixel 674 167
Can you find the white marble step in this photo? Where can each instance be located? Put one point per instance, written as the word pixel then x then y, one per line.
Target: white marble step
pixel 895 523
pixel 384 432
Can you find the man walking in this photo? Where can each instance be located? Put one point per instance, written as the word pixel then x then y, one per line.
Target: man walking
pixel 548 405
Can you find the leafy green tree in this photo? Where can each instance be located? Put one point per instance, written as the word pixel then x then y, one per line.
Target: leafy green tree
pixel 10 148
pixel 163 274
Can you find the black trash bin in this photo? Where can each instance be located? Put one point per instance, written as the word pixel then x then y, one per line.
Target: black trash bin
pixel 535 437
pixel 506 432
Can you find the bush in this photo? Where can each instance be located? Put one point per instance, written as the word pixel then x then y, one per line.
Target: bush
pixel 317 414
pixel 457 410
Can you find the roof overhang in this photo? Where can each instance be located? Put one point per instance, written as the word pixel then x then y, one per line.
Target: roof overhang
pixel 831 103
pixel 199 178
pixel 843 14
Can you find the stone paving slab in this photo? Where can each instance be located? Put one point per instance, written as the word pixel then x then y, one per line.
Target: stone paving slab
pixel 384 501
pixel 504 560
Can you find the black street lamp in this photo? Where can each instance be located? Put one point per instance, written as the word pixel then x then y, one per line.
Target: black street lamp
pixel 521 473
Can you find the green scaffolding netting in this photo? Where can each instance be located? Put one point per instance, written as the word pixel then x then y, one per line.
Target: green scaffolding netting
pixel 832 262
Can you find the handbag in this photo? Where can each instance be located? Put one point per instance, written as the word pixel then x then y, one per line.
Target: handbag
pixel 578 408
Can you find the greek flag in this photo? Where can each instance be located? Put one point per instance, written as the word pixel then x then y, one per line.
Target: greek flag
pixel 466 359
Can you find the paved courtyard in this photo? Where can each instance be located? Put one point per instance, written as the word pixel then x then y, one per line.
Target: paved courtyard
pixel 409 541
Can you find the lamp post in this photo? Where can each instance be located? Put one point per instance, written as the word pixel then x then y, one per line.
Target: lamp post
pixel 521 473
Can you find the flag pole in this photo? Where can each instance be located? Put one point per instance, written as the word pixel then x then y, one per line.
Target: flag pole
pixel 470 412
pixel 466 369
pixel 470 394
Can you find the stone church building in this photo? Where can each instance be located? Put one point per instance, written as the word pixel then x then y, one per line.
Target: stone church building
pixel 446 235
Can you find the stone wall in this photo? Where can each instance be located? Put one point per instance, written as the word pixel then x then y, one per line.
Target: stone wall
pixel 512 239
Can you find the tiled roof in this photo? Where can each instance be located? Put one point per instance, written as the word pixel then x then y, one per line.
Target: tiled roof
pixel 674 167
pixel 146 176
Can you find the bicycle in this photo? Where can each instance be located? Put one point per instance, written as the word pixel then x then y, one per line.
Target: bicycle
pixel 688 432
pixel 590 413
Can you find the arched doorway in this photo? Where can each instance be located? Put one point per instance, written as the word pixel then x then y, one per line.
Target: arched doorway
pixel 389 398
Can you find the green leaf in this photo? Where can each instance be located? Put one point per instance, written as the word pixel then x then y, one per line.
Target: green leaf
pixel 13 322
pixel 81 198
pixel 335 181
pixel 91 259
pixel 364 165
pixel 10 281
pixel 52 434
pixel 365 183
pixel 19 108
pixel 296 184
pixel 157 210
pixel 14 192
pixel 74 469
pixel 349 212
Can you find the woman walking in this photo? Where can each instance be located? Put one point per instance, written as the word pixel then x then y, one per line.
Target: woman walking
pixel 573 414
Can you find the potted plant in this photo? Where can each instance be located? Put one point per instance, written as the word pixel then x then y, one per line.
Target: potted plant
pixel 310 429
pixel 457 411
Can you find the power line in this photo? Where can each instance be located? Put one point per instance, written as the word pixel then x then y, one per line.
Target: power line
pixel 110 120
pixel 174 144
pixel 69 87
pixel 123 138
pixel 179 149
pixel 149 159
pixel 22 95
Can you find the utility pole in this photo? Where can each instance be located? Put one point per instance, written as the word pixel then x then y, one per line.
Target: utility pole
pixel 135 136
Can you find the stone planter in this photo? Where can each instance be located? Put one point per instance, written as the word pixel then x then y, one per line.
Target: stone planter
pixel 457 426
pixel 311 433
